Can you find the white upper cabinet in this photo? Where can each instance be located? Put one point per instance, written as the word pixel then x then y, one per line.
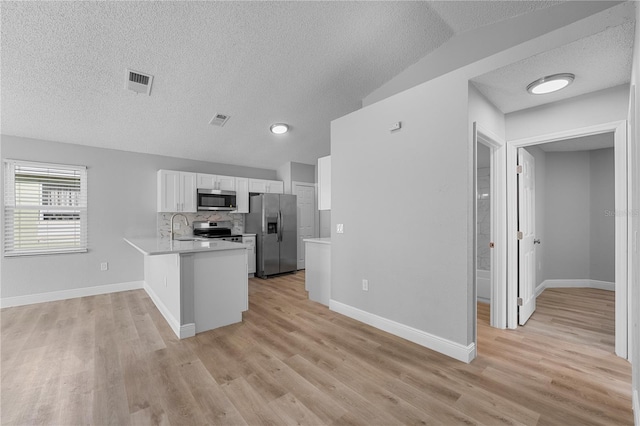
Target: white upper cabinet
pixel 242 195
pixel 324 183
pixel 176 191
pixel 266 186
pixel 225 183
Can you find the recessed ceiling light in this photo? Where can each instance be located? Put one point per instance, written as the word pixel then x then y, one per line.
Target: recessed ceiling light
pixel 550 83
pixel 279 128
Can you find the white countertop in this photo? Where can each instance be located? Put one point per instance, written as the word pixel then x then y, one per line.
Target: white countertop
pixel 325 240
pixel 150 246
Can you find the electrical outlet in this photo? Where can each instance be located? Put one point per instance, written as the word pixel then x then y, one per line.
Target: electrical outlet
pixel 340 228
pixel 104 266
pixel 365 285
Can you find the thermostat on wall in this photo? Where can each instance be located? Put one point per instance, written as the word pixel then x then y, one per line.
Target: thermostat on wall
pixel 395 126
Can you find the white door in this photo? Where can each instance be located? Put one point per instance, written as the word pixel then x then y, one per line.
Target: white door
pixel 526 236
pixel 306 198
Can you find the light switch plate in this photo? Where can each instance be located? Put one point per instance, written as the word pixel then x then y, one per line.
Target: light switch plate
pixel 340 228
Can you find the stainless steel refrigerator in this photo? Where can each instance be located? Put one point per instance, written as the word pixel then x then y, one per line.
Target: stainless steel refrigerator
pixel 272 217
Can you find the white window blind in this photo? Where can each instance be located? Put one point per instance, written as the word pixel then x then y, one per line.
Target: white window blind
pixel 45 208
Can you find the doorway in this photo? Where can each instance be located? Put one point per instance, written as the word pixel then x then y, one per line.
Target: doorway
pixel 306 217
pixel 514 291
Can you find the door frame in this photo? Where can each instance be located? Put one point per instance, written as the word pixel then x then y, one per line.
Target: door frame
pixel 622 285
pixel 498 233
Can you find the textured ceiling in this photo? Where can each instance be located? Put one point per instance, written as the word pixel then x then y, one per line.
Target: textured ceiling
pixel 304 63
pixel 600 61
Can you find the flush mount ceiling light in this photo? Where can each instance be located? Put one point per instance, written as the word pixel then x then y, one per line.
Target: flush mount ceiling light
pixel 550 83
pixel 279 128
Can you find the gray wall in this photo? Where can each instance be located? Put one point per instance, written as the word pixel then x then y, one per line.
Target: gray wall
pixel 578 234
pixel 567 214
pixel 295 172
pixel 423 280
pixel 122 202
pixel 603 237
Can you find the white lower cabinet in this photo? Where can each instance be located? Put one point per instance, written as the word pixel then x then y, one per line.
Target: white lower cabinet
pixel 250 242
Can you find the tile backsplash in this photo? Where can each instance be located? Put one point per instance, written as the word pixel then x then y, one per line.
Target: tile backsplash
pixel 235 221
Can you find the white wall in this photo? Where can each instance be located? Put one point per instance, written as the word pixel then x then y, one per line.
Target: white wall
pixel 122 202
pixel 604 106
pixel 602 204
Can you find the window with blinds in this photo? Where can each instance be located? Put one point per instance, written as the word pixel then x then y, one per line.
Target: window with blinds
pixel 45 208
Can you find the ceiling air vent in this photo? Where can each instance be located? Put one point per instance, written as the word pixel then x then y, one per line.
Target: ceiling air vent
pixel 219 120
pixel 139 82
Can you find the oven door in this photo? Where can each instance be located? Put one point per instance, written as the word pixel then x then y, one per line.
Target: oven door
pixel 215 199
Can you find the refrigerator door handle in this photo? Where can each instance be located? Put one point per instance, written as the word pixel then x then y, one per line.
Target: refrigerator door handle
pixel 279 226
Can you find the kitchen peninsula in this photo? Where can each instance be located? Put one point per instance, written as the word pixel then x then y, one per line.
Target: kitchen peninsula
pixel 196 285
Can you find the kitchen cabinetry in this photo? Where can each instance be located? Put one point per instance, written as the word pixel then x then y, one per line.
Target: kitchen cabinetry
pixel 266 186
pixel 242 195
pixel 250 242
pixel 224 183
pixel 176 191
pixel 324 183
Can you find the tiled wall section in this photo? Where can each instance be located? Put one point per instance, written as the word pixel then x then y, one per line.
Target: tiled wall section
pixel 232 220
pixel 484 217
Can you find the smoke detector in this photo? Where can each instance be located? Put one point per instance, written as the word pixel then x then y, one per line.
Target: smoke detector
pixel 219 120
pixel 138 82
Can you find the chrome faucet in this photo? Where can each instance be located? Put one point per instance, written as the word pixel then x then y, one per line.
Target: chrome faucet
pixel 186 221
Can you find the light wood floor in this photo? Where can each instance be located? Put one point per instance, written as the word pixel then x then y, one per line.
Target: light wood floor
pixel 112 359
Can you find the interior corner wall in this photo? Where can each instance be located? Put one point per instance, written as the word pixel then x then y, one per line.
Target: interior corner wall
pixel 295 172
pixel 540 158
pixel 422 282
pixel 284 174
pixel 602 215
pixel 567 215
pixel 121 202
pixel 578 232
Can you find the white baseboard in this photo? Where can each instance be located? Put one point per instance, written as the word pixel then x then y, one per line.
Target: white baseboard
pixel 636 406
pixel 602 285
pixel 182 331
pixel 483 300
pixel 53 296
pixel 438 344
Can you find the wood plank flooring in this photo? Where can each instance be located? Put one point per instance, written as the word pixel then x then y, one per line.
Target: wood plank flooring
pixel 112 359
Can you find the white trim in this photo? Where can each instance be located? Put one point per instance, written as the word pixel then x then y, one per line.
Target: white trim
pixel 618 128
pixel 438 344
pixel 187 330
pixel 601 285
pixel 181 331
pixel 53 296
pixel 636 407
pixel 498 294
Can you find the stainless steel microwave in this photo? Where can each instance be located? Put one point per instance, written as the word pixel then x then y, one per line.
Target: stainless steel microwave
pixel 216 199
